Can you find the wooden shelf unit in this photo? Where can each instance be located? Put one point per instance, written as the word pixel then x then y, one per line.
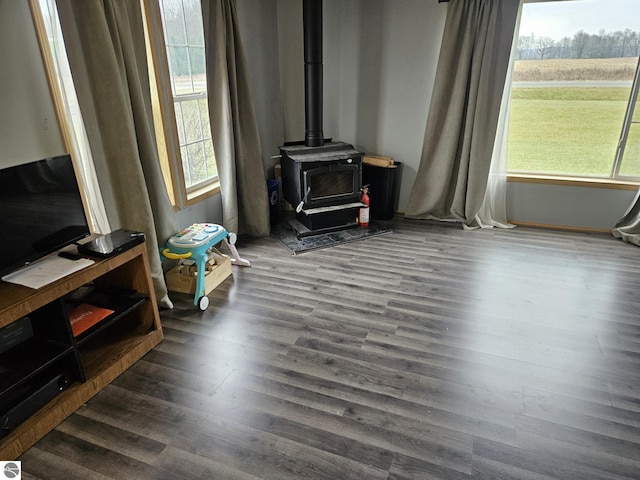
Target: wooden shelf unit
pixel 94 359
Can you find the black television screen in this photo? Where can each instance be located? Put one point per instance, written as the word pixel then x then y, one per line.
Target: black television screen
pixel 41 211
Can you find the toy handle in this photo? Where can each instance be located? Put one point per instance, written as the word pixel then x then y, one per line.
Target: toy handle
pixel 175 256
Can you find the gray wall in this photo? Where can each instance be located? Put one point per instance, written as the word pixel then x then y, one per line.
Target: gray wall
pixel 384 101
pixel 568 206
pixel 28 126
pixel 379 59
pixel 379 63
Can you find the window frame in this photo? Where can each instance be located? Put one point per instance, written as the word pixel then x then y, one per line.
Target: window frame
pixel 614 180
pixel 165 116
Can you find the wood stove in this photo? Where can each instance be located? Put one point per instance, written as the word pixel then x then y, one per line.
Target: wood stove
pixel 323 185
pixel 321 179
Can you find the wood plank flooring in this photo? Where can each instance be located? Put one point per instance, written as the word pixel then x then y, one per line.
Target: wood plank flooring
pixel 429 353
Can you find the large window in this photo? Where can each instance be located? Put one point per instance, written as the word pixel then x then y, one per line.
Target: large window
pixel 179 90
pixel 176 39
pixel 572 84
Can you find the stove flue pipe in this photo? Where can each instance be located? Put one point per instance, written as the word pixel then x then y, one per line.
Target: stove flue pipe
pixel 312 23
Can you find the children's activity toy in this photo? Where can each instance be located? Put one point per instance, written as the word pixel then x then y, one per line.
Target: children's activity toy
pixel 197 242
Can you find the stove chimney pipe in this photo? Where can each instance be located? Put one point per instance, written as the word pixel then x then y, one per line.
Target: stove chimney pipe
pixel 312 23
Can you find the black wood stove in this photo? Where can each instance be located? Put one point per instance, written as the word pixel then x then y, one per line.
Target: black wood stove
pixel 321 178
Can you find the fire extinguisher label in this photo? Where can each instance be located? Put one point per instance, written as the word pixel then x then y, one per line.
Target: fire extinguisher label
pixel 364 215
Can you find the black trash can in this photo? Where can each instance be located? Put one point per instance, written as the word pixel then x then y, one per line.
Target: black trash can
pixel 383 189
pixel 274 201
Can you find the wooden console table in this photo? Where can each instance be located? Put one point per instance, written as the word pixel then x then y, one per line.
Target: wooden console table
pixel 50 373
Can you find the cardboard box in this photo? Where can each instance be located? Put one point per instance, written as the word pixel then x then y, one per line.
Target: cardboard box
pixel 182 279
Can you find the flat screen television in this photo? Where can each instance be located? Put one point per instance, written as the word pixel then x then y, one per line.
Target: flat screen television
pixel 41 211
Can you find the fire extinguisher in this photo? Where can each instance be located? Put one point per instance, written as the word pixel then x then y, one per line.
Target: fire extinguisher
pixel 363 215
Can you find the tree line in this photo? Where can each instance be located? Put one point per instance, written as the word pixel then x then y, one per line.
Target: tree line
pixel 581 45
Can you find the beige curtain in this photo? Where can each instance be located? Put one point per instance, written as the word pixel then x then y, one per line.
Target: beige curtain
pixel 77 132
pixel 461 128
pixel 236 141
pixel 628 227
pixel 106 49
pixel 493 211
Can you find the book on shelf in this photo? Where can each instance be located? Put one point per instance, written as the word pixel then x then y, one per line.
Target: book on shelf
pixel 85 316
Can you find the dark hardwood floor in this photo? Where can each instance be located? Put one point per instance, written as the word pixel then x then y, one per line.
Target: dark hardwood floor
pixel 429 353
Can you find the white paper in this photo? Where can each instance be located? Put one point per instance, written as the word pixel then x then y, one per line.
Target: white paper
pixel 46 271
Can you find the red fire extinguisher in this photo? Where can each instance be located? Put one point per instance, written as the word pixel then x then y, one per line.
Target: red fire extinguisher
pixel 363 215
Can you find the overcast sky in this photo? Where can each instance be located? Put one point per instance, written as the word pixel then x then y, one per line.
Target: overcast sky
pixel 563 19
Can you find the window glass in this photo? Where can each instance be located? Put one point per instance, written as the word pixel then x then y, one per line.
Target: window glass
pixel 571 83
pixel 184 39
pixel 193 16
pixel 173 22
pixel 630 165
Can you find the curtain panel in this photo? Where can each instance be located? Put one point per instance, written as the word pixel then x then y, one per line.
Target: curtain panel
pixel 106 50
pixel 451 181
pixel 627 228
pixel 234 128
pixel 493 211
pixel 71 121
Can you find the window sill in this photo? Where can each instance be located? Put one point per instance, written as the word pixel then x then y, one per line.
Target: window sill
pixel 573 181
pixel 202 193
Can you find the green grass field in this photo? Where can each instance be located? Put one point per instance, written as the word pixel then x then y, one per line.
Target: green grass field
pixel 568 130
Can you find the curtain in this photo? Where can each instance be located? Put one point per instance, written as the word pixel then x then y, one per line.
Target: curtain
pixel 77 133
pixel 628 227
pixel 106 50
pixel 451 180
pixel 493 211
pixel 234 129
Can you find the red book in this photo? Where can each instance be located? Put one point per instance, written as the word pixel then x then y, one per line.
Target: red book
pixel 84 316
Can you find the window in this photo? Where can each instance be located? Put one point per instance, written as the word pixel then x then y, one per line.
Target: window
pixel 572 84
pixel 176 47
